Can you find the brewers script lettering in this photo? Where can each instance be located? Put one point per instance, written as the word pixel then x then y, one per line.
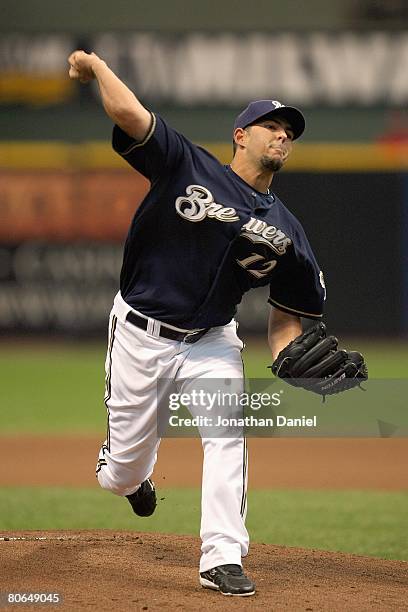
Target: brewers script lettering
pixel 199 203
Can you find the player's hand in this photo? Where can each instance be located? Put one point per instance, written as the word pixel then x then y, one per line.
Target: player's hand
pixel 81 66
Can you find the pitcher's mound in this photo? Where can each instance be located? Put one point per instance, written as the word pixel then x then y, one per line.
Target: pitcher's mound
pixel 105 570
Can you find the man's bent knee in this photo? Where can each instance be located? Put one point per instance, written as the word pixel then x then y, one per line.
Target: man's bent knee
pixel 123 484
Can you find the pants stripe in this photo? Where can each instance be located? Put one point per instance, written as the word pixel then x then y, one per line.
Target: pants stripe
pixel 244 479
pixel 245 452
pixel 108 382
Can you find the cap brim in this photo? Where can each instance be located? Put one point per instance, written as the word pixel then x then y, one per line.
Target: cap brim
pixel 292 115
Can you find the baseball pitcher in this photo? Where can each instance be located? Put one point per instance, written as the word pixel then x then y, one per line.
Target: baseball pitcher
pixel 203 236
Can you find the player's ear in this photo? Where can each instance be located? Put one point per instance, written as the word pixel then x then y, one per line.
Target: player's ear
pixel 240 136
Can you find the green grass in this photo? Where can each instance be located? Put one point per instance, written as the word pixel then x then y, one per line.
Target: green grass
pixel 52 389
pixel 360 522
pixel 59 388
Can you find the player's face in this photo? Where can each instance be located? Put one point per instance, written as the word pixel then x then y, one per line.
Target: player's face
pixel 270 142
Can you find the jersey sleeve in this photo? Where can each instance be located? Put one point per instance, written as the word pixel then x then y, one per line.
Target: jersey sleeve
pixel 158 153
pixel 297 286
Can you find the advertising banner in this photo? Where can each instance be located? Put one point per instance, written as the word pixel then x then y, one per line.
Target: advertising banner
pixel 326 68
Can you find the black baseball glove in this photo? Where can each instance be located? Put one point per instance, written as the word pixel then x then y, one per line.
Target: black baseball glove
pixel 313 361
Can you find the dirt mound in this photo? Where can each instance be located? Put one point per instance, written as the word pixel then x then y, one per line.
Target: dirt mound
pixel 137 571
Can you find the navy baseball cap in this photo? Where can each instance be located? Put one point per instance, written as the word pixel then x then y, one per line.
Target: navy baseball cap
pixel 262 109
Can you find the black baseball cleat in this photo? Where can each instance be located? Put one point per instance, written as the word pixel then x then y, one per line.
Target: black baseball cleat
pixel 143 501
pixel 229 580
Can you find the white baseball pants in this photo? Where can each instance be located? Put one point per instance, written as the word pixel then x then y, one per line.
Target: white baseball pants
pixel 135 360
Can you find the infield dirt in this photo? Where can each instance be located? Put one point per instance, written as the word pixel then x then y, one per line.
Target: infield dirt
pixel 105 570
pixel 299 463
pixel 128 571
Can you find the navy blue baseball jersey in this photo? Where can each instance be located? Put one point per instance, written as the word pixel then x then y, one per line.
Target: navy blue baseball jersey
pixel 202 237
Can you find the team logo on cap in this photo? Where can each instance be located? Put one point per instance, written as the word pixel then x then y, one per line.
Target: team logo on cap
pixel 276 104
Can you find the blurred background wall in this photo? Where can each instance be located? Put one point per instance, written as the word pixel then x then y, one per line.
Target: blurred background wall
pixel 66 200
